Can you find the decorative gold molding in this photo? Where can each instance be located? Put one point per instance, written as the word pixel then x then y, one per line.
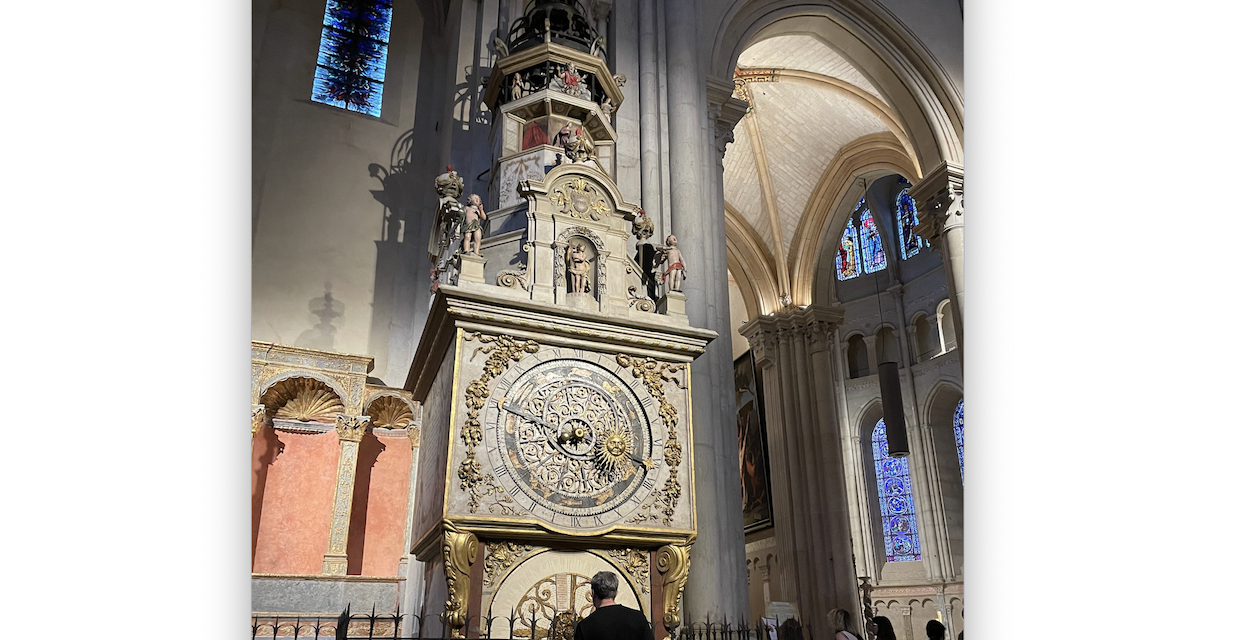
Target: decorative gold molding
pixel 415 436
pixel 501 556
pixel 460 550
pixel 636 563
pixel 501 352
pixel 654 373
pixel 352 428
pixel 303 399
pixel 673 564
pixel 578 198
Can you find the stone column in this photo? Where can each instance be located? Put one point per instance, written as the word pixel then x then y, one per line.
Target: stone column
pixel 651 132
pixel 350 429
pixel 907 614
pixel 716 582
pixel 940 209
pixel 871 352
pixel 808 486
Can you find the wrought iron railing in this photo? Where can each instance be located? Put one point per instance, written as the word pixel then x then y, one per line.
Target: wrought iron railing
pixel 350 626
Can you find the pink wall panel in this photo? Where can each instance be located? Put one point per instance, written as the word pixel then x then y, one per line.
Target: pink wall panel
pixel 388 505
pixel 296 504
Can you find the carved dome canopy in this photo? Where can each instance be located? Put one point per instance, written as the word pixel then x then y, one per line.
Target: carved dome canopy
pixel 388 412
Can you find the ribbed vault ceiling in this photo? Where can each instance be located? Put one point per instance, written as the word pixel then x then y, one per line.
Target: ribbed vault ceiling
pixel 807 102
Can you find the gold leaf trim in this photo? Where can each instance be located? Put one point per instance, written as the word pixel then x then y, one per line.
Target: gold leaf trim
pixel 653 374
pixel 501 556
pixel 501 352
pixel 389 412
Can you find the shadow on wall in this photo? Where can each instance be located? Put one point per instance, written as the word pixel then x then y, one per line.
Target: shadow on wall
pixel 401 243
pixel 323 334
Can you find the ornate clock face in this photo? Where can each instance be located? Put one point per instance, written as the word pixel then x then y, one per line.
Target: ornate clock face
pixel 571 441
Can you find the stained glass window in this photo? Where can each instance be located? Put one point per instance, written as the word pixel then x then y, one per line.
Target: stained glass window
pixel 906 214
pixel 353 55
pixel 895 499
pixel 846 265
pixel 872 257
pixel 958 427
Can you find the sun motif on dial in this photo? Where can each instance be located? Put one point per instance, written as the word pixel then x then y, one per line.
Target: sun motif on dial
pixel 613 451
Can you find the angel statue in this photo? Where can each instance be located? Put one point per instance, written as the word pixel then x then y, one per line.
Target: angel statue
pixel 670 255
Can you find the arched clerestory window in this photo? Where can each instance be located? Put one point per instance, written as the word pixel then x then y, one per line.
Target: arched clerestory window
pixel 352 58
pixel 873 258
pixel 895 500
pixel 906 219
pixel 958 428
pixel 846 263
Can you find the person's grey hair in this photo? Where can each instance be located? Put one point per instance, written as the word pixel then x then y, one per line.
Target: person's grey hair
pixel 604 585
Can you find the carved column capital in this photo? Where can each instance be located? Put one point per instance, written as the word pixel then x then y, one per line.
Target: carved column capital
pixel 940 201
pixel 723 111
pixel 415 436
pixel 352 428
pixel 258 418
pixel 814 323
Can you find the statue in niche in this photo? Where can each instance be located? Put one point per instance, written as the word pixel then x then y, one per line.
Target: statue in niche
pixel 578 269
pixel 606 107
pixel 669 254
pixel 561 136
pixel 472 230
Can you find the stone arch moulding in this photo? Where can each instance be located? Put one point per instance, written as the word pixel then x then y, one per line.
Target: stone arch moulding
pixel 561 174
pixel 929 106
pixel 933 398
pixel 753 261
pixel 869 157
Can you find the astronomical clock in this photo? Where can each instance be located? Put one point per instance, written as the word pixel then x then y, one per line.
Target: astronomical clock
pixel 553 371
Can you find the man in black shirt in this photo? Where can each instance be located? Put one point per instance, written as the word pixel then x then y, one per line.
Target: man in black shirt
pixel 611 621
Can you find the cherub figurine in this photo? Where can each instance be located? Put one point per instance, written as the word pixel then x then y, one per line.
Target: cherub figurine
pixel 675 264
pixel 518 87
pixel 606 107
pixel 472 228
pixel 578 269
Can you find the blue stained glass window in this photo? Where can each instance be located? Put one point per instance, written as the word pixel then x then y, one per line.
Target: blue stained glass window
pixel 958 427
pixel 353 55
pixel 872 257
pixel 895 499
pixel 906 214
pixel 846 265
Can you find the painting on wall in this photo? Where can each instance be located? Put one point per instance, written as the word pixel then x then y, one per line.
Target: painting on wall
pixel 751 436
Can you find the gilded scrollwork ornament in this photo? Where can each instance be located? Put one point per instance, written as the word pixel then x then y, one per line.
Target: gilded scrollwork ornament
pixel 460 550
pixel 636 563
pixel 672 561
pixel 501 556
pixel 653 374
pixel 580 199
pixel 501 352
